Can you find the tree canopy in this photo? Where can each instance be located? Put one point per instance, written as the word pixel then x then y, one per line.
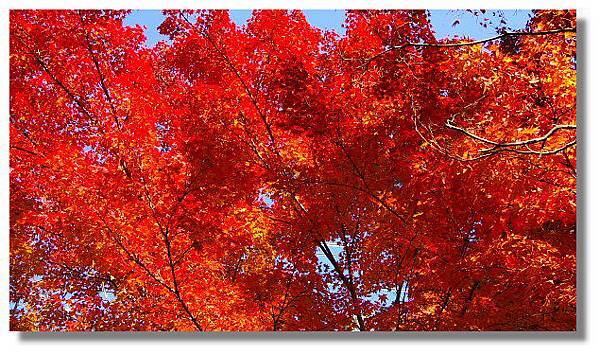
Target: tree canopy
pixel 275 176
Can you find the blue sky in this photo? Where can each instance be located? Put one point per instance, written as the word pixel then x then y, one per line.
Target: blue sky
pixel 441 20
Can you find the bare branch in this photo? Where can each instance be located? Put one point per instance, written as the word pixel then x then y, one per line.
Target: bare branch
pixel 497 145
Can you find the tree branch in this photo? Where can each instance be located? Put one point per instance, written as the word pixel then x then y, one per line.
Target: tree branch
pixel 463 44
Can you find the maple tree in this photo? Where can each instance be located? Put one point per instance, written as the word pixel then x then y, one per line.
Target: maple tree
pixel 275 176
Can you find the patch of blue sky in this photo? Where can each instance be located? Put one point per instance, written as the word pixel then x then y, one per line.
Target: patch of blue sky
pixel 323 263
pixel 36 278
pixel 323 19
pixel 265 199
pixel 442 21
pixel 150 19
pixel 385 297
pixel 107 295
pixel 460 23
pixel 19 305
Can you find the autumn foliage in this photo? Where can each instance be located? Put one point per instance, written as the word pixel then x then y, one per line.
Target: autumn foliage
pixel 275 176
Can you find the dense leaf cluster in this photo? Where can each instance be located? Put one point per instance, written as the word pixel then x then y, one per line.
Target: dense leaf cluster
pixel 275 176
